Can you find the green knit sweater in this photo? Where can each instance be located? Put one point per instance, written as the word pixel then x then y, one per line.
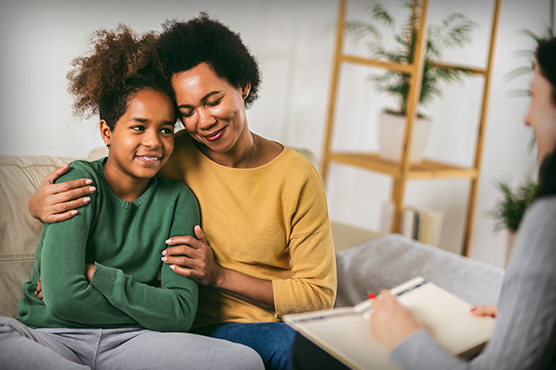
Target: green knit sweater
pixel 125 241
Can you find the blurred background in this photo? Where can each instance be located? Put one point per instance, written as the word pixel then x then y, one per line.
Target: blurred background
pixel 293 41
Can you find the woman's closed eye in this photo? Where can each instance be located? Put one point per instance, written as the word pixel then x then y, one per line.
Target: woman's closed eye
pixel 211 103
pixel 186 114
pixel 214 102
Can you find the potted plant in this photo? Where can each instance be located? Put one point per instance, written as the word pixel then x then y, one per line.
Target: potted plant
pixel 509 210
pixel 453 31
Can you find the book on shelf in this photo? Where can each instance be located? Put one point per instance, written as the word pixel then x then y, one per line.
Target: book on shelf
pixel 416 223
pixel 345 332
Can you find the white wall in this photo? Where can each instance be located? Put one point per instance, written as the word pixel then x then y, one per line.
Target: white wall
pixel 293 40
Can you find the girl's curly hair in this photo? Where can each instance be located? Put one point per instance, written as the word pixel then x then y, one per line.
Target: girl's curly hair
pixel 120 64
pixel 183 45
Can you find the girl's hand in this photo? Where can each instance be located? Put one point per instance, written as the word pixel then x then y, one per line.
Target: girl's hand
pixel 89 271
pixel 489 310
pixel 391 323
pixel 38 290
pixel 192 257
pixel 57 202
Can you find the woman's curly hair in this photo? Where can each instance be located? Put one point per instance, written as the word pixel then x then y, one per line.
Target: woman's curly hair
pixel 183 45
pixel 120 64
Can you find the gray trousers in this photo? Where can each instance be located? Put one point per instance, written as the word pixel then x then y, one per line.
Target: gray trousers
pixel 128 348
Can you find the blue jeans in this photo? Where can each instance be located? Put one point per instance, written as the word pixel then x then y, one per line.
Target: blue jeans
pixel 271 340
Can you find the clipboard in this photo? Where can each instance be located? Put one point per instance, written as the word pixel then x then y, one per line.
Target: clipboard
pixel 346 332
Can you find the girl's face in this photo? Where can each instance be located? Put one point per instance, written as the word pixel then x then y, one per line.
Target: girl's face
pixel 143 138
pixel 211 109
pixel 542 114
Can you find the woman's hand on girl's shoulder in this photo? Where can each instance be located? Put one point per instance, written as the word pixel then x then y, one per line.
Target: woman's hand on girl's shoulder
pixel 58 202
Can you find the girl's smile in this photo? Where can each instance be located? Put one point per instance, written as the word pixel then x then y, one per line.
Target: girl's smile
pixel 140 143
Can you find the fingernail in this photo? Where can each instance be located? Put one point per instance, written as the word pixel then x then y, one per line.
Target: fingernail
pixel 164 252
pixel 173 267
pixel 164 259
pixel 92 188
pixel 74 212
pixel 88 181
pixel 35 292
pixel 86 200
pixel 168 241
pixel 474 309
pixel 372 296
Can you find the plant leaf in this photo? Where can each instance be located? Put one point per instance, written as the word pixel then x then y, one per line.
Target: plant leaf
pixel 454 31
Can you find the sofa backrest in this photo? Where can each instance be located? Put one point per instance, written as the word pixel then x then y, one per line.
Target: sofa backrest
pixel 20 176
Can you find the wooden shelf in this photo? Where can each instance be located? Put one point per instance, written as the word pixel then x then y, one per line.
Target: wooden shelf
pixel 426 169
pixel 403 171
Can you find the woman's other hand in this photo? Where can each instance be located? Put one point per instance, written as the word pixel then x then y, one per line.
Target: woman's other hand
pixel 192 257
pixel 391 323
pixel 58 202
pixel 489 310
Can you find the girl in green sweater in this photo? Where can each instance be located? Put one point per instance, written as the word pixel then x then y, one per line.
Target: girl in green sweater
pixel 108 301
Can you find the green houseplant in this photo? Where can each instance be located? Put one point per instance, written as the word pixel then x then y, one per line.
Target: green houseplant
pixel 454 31
pixel 529 55
pixel 509 210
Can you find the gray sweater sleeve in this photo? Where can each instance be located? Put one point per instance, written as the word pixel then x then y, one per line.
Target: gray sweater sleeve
pixel 526 307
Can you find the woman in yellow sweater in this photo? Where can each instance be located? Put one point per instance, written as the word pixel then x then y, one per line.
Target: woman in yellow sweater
pixel 265 247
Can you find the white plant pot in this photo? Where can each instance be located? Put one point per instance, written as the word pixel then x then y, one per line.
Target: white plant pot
pixel 510 246
pixel 391 130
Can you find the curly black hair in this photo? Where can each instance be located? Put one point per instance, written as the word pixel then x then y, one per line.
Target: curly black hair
pixel 120 64
pixel 183 45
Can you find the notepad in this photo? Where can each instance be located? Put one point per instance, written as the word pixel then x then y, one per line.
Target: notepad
pixel 345 332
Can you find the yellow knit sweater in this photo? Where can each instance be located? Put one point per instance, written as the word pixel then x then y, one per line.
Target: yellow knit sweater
pixel 270 222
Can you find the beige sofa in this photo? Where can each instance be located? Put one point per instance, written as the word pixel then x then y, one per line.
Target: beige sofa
pixel 366 262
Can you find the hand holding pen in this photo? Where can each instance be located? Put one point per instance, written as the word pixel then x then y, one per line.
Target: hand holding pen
pixel 391 323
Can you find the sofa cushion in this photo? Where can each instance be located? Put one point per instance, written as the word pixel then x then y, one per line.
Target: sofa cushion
pixel 20 176
pixel 394 259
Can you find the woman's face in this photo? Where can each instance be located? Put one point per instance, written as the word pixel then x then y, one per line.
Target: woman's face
pixel 143 137
pixel 542 114
pixel 211 109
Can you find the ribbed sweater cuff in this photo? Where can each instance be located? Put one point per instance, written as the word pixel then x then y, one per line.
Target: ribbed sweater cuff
pixel 103 279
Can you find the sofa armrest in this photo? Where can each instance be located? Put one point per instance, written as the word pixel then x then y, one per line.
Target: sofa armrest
pixel 19 232
pixel 348 236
